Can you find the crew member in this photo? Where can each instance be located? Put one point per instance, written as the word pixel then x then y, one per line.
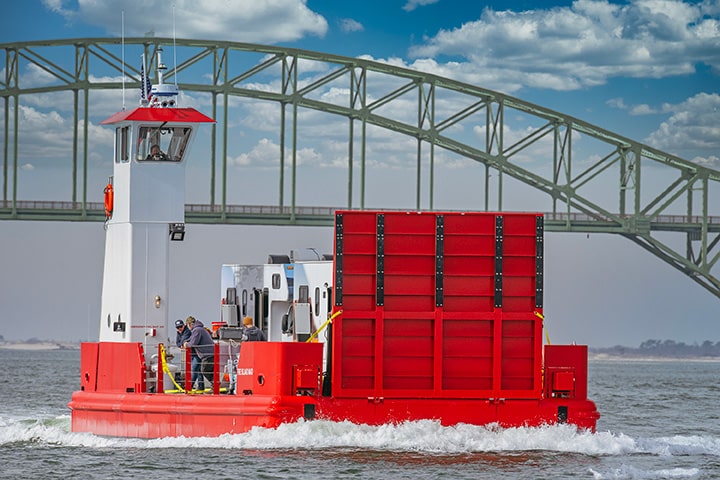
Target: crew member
pixel 181 336
pixel 251 333
pixel 183 333
pixel 203 346
pixel 156 153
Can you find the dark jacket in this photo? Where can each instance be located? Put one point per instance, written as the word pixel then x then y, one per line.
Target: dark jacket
pixel 182 337
pixel 201 341
pixel 253 334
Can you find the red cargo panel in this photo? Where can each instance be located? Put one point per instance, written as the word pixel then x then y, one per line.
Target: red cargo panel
pixel 469 262
pixel 437 304
pixel 468 354
pixel 521 341
pixel 408 354
pixel 357 354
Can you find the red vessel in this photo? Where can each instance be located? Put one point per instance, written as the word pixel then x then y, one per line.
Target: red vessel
pixel 431 315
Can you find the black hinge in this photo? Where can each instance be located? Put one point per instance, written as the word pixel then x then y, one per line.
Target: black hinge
pixel 338 257
pixel 380 272
pixel 539 262
pixel 498 260
pixel 439 258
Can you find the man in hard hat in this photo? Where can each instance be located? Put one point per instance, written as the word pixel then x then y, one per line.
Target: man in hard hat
pixel 251 333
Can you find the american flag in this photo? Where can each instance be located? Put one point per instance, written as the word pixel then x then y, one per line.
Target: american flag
pixel 145 84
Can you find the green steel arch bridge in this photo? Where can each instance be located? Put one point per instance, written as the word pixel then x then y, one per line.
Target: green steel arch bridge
pixel 586 178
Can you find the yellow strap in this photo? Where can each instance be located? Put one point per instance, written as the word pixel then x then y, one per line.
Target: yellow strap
pixel 166 369
pixel 179 389
pixel 542 317
pixel 322 327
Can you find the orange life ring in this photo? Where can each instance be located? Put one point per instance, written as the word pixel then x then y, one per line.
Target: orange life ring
pixel 109 200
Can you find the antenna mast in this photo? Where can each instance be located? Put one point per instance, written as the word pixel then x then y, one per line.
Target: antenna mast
pixel 174 50
pixel 122 36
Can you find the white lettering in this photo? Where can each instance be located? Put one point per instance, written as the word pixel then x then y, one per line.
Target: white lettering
pixel 245 371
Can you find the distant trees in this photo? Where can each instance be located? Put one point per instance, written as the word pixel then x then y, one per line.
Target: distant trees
pixel 665 348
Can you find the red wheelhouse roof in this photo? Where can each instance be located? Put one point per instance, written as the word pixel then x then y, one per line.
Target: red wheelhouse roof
pixel 148 114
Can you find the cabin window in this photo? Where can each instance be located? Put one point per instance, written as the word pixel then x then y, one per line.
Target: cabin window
pixel 122 153
pixel 317 299
pixel 162 143
pixel 276 281
pixel 265 304
pixel 244 302
pixel 304 294
pixel 231 296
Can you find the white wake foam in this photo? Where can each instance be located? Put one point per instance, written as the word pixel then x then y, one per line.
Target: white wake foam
pixel 626 472
pixel 420 436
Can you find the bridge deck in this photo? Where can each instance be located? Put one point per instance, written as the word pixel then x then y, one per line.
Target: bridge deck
pixel 323 216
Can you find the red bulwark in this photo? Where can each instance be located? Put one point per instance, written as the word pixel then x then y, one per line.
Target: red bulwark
pixel 438 305
pixel 112 367
pixel 566 366
pixel 279 368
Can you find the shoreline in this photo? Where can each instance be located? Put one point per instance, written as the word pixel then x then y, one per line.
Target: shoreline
pixel 610 357
pixel 647 358
pixel 39 346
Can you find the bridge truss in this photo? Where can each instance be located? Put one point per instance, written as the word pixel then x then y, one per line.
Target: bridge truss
pixel 587 178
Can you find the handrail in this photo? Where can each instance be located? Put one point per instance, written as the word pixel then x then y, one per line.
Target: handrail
pixel 319 211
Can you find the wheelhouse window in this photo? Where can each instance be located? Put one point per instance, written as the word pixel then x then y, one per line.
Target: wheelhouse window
pixel 162 143
pixel 122 146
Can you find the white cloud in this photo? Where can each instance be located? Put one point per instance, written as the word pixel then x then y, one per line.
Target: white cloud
pixel 578 46
pixel 413 4
pixel 642 109
pixel 241 20
pixel 55 6
pixel 47 136
pixel 692 130
pixel 562 48
pixel 266 154
pixel 711 161
pixel 34 76
pixel 617 103
pixel 349 25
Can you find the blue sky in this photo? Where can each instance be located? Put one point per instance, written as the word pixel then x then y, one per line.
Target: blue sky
pixel 647 69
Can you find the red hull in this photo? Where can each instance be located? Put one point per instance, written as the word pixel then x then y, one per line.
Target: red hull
pixel 507 413
pixel 172 415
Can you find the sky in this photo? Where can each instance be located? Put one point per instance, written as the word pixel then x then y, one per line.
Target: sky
pixel 646 69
